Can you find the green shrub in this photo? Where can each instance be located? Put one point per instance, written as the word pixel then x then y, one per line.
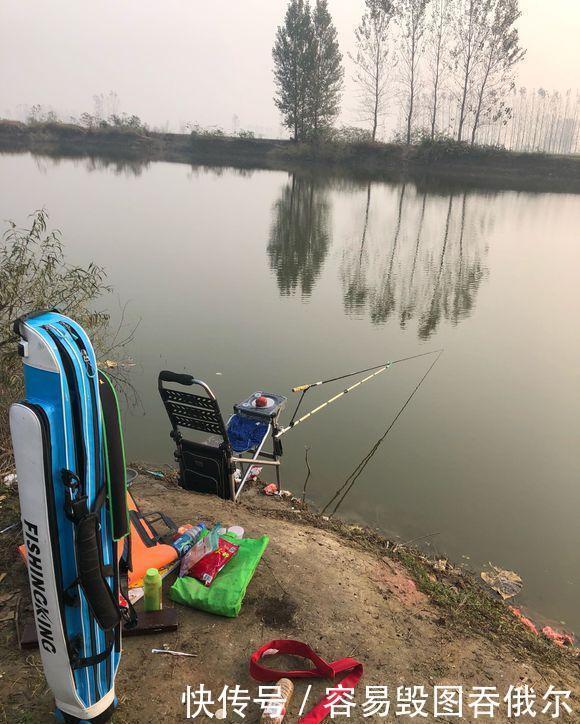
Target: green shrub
pixel 34 274
pixel 198 131
pixel 38 115
pixel 352 134
pixel 446 147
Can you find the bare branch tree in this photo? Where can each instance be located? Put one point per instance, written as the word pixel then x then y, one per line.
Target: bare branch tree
pixel 469 29
pixel 411 18
pixel 437 51
pixel 499 54
pixel 373 60
pixel 564 122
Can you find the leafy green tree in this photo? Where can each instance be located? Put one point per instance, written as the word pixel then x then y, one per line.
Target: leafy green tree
pixel 293 64
pixel 327 77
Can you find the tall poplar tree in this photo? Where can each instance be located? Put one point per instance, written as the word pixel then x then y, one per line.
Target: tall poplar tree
pixel 373 60
pixel 437 52
pixel 411 17
pixel 326 80
pixel 500 53
pixel 470 30
pixel 293 64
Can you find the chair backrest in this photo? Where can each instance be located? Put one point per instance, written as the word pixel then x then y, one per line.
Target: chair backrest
pixel 188 410
pixel 204 468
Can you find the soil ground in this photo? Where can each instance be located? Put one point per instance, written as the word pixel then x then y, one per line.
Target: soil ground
pixel 342 590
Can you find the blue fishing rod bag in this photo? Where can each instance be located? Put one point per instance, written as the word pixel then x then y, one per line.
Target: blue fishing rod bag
pixel 70 463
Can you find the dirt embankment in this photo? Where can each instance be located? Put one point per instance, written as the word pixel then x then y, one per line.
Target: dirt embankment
pixel 448 164
pixel 343 590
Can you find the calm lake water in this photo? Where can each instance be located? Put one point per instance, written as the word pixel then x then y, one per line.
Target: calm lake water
pixel 265 280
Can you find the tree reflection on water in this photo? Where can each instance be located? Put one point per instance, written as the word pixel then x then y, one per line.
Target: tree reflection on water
pixel 416 257
pixel 300 235
pixel 427 266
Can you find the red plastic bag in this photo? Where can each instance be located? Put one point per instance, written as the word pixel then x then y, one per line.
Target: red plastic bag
pixel 206 569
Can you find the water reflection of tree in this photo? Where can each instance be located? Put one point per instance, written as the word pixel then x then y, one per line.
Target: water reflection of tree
pixel 429 320
pixel 383 300
pixel 409 304
pixel 299 237
pixel 199 169
pixel 119 166
pixel 430 267
pixel 355 288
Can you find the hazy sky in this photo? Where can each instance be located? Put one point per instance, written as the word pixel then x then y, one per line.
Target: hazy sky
pixel 187 60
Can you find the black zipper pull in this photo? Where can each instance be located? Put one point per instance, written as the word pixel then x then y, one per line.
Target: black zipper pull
pixel 87 361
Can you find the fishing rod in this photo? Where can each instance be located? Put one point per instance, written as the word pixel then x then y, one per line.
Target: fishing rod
pixel 376 370
pixel 346 487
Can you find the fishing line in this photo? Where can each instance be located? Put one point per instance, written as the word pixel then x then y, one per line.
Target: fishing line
pixel 291 423
pixel 305 387
pixel 352 478
pixel 376 370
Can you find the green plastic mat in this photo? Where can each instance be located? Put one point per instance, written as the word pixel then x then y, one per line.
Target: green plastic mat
pixel 226 593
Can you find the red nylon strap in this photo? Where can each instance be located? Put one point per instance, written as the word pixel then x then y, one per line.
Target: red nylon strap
pixel 322 670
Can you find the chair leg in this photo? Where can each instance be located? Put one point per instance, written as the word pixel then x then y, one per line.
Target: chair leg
pixel 232 477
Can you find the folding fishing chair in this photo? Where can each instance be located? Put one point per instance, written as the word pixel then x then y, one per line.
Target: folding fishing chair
pixel 216 465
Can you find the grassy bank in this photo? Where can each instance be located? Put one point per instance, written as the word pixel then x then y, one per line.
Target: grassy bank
pixel 440 162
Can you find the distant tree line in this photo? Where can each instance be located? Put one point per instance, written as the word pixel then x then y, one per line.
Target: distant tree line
pixel 435 68
pixel 540 121
pixel 424 71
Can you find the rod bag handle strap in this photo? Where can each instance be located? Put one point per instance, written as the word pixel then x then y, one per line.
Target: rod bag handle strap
pixel 91 573
pixel 321 670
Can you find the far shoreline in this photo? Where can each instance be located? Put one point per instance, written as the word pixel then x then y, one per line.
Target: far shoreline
pixel 439 165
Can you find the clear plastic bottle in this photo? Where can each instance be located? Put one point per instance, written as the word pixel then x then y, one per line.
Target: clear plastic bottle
pixel 152 584
pixel 188 538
